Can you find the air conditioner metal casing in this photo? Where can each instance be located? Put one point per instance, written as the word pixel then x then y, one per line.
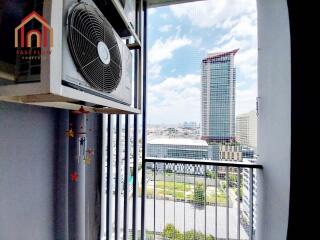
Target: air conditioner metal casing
pixel 72 77
pixel 60 82
pixel 126 7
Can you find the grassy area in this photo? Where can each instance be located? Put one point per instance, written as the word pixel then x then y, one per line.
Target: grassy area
pixel 181 192
pixel 171 185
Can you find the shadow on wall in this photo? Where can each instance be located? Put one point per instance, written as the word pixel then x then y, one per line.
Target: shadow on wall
pixel 35 182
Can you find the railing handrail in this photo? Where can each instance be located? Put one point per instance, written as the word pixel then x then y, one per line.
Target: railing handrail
pixel 205 162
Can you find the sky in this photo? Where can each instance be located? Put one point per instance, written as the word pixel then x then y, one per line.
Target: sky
pixel 179 37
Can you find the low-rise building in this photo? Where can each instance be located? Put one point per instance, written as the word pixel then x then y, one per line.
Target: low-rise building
pixel 177 148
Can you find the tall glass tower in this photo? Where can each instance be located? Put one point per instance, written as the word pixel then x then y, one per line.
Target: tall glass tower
pixel 218 97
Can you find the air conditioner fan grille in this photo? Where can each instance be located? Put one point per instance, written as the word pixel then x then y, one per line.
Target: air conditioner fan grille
pixel 86 29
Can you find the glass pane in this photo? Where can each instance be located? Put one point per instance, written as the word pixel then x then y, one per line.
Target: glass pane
pixel 202 81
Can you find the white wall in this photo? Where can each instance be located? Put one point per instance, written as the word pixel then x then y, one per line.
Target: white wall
pixel 274 90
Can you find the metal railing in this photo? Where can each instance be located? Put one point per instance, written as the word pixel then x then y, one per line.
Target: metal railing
pixel 198 199
pixel 179 198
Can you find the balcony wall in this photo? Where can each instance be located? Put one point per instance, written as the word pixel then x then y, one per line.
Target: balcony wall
pixel 274 120
pixel 35 187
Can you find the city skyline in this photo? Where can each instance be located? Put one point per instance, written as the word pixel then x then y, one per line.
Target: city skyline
pixel 179 124
pixel 179 38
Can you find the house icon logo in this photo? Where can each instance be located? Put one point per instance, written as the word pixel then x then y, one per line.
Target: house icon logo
pixel 25 39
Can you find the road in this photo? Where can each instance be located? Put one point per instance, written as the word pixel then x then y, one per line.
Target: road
pixel 189 218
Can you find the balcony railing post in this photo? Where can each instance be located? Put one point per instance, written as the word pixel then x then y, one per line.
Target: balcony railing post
pixel 154 200
pixel 174 200
pixel 109 204
pixel 138 60
pixel 126 178
pixel 227 208
pixel 118 178
pixel 164 198
pixel 194 203
pixel 216 203
pixel 238 193
pixel 251 203
pixel 205 202
pixel 184 201
pixel 135 179
pixel 144 118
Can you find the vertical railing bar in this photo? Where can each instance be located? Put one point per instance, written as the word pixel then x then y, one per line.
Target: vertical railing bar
pixel 137 60
pixel 216 205
pixel 154 200
pixel 137 92
pixel 136 104
pixel 238 221
pixel 251 203
pixel 184 202
pixel 104 179
pixel 164 199
pixel 118 182
pixel 135 179
pixel 144 119
pixel 194 204
pixel 174 200
pixel 109 178
pixel 126 178
pixel 205 202
pixel 227 192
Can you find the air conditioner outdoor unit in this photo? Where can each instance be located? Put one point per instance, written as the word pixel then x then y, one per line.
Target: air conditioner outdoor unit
pixel 62 54
pixel 129 7
pixel 126 8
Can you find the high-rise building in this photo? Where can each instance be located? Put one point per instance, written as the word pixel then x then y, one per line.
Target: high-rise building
pixel 218 97
pixel 246 129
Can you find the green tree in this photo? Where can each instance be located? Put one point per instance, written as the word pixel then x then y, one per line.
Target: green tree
pixel 170 232
pixel 199 192
pixel 192 235
pixel 211 174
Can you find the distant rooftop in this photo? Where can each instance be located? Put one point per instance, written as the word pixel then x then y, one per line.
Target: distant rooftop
pixel 178 141
pixel 219 54
pixel 252 112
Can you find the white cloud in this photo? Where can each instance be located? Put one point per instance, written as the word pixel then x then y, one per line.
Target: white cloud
pixel 165 28
pixel 151 11
pixel 178 28
pixel 150 27
pixel 163 50
pixel 164 16
pixel 213 13
pixel 242 35
pixel 154 70
pixel 174 100
pixel 237 17
pixel 246 98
